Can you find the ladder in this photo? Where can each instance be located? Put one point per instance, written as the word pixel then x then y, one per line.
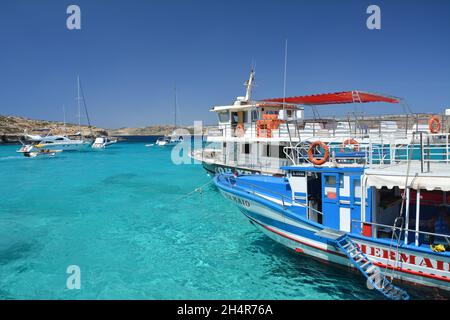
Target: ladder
pixel 373 274
pixel 356 97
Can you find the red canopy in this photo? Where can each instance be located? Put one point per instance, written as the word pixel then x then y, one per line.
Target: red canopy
pixel 336 98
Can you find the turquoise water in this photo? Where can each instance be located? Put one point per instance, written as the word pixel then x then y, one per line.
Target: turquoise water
pixel 117 214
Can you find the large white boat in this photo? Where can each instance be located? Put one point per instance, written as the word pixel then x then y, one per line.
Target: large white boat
pixel 64 143
pixel 260 136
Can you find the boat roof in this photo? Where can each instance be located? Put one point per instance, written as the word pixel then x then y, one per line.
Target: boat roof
pixel 399 175
pixel 252 105
pixel 337 98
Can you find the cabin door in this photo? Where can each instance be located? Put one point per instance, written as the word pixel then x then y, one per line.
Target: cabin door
pixel 330 200
pixel 355 203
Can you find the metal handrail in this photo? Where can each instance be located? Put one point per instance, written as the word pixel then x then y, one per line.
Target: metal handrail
pixel 436 150
pixel 446 237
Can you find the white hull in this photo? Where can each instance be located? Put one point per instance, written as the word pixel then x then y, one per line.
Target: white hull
pixel 65 146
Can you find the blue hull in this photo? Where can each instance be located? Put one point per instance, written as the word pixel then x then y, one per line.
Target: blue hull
pixel 279 221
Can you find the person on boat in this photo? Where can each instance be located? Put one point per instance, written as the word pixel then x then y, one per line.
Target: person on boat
pixel 440 224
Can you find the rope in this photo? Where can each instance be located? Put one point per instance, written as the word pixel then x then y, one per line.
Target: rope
pixel 198 189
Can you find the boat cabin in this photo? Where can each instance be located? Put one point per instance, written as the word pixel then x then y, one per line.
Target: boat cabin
pixel 374 203
pixel 328 195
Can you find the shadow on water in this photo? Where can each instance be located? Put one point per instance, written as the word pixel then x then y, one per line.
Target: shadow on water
pixel 15 251
pixel 120 179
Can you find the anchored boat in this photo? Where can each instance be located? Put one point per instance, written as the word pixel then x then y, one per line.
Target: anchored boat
pixel 29 151
pixel 260 136
pixel 103 142
pixel 388 220
pixel 176 137
pixel 169 141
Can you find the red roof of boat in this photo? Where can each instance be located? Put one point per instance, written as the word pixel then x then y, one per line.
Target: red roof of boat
pixel 337 98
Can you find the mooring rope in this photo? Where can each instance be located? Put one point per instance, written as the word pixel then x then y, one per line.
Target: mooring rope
pixel 198 189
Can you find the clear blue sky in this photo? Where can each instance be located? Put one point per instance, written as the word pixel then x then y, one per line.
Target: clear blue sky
pixel 130 53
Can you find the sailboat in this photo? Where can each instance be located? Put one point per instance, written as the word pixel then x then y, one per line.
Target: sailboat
pixel 174 138
pixel 63 142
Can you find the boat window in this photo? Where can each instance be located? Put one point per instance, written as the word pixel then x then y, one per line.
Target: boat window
pixel 330 181
pixel 245 116
pixel 234 117
pixel 265 150
pixel 273 151
pixel 224 116
pixel 254 115
pixel 357 188
pixel 246 147
pixel 59 139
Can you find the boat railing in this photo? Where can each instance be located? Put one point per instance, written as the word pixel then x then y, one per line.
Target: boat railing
pixel 266 191
pixel 357 126
pixel 380 229
pixel 426 147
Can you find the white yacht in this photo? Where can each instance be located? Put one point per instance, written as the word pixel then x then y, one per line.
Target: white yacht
pixel 58 142
pixel 260 136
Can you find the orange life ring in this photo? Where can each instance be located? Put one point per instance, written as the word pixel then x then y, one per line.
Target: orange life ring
pixel 434 124
pixel 348 142
pixel 240 131
pixel 318 161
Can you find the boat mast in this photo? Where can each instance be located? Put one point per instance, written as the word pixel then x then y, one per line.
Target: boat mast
pixel 64 118
pixel 175 92
pixel 249 84
pixel 284 93
pixel 78 103
pixel 85 107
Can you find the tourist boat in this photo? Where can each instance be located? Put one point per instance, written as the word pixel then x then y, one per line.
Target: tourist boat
pixel 261 136
pixel 386 219
pixel 103 142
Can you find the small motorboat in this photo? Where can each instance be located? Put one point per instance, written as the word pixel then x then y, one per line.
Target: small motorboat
pixel 167 141
pixel 29 151
pixel 102 142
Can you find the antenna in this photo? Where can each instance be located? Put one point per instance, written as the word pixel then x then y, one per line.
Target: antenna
pixel 285 72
